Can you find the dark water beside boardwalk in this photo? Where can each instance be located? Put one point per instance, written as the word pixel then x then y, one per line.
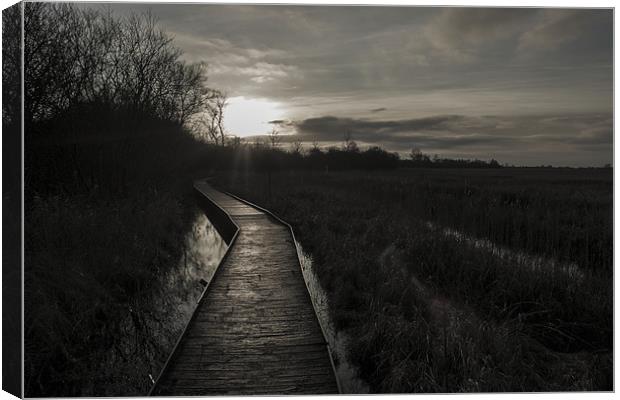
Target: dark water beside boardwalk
pixel 203 250
pixel 154 323
pixel 181 288
pixel 348 375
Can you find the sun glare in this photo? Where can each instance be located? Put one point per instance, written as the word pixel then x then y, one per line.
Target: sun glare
pixel 246 117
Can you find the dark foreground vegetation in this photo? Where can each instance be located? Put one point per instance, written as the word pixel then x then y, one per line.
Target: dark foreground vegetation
pixel 428 310
pixel 107 195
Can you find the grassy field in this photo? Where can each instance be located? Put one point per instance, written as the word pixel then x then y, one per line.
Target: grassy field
pixel 460 280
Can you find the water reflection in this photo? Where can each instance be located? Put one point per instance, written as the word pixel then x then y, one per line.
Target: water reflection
pixel 203 250
pixel 347 374
pixel 155 321
pixel 532 262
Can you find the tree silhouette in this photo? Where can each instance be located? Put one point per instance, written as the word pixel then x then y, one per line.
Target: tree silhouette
pixel 274 138
pixel 210 123
pixel 349 144
pixel 77 59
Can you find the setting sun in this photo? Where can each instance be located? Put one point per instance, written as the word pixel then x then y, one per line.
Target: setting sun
pixel 247 117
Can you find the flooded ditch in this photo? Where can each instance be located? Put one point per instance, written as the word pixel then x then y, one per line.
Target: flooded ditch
pixel 347 373
pixel 155 322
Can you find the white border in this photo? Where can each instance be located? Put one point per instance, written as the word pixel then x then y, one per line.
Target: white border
pixel 473 3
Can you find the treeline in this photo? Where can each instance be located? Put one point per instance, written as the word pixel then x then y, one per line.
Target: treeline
pixel 99 91
pixel 86 62
pixel 451 163
pixel 419 159
pixel 267 156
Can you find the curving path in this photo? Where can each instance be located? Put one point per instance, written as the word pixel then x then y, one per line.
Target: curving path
pixel 255 330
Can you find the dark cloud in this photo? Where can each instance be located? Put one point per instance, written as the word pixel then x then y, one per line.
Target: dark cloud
pixel 487 134
pixel 284 51
pixel 459 33
pixel 329 126
pixel 433 70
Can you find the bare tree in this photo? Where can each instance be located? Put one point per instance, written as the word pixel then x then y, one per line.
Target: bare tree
pixel 76 57
pixel 11 62
pixel 215 112
pixel 274 138
pixel 48 58
pixel 297 147
pixel 209 124
pixel 418 156
pixel 349 143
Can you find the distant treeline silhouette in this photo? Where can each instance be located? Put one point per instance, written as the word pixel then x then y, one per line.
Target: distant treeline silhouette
pixel 418 159
pixel 266 156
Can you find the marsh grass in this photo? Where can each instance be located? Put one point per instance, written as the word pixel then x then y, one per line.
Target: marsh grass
pixel 93 271
pixel 104 226
pixel 430 312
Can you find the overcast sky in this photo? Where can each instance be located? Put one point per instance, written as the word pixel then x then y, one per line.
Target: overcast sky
pixel 524 86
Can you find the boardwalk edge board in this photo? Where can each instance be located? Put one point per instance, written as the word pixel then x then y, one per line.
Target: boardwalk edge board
pixel 290 228
pixel 204 292
pixel 222 221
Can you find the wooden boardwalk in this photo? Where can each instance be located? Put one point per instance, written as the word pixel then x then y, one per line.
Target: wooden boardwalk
pixel 255 330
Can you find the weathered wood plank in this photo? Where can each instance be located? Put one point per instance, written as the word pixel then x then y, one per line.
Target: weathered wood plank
pixel 254 331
